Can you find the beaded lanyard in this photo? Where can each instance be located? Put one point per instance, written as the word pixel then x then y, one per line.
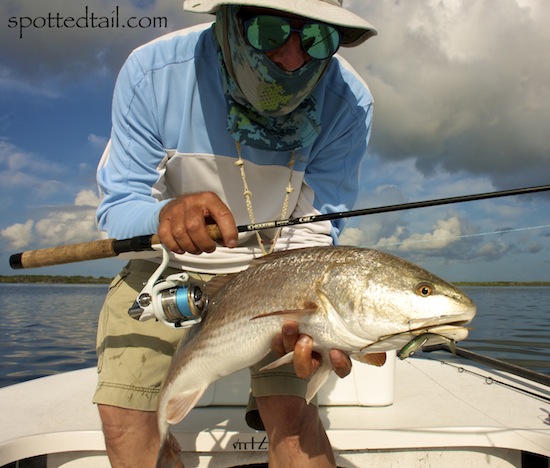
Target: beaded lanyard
pixel 248 198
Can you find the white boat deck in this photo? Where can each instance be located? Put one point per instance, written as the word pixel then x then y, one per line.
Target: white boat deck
pixel 436 406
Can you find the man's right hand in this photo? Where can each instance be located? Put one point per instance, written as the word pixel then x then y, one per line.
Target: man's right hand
pixel 182 223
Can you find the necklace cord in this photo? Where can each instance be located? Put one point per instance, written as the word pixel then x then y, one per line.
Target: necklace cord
pixel 247 193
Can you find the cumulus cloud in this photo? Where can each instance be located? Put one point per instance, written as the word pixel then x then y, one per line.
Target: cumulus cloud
pixel 352 236
pixel 445 233
pixel 464 232
pixel 460 85
pixel 492 250
pixel 97 141
pixel 65 225
pixel 87 198
pixel 66 228
pixel 20 169
pixel 461 97
pixel 449 238
pixel 18 235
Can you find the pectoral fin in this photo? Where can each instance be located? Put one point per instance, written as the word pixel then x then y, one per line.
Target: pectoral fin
pixel 318 379
pixel 294 314
pixel 286 359
pixel 180 405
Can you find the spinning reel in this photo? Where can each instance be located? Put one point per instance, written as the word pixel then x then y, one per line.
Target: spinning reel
pixel 178 301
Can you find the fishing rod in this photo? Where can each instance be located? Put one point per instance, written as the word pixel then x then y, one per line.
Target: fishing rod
pixel 390 208
pixel 108 248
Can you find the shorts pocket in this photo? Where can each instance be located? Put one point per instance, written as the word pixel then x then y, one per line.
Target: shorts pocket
pixel 104 316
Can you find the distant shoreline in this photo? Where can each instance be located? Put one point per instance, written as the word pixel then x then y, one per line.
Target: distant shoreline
pixel 54 279
pixel 503 283
pixel 60 279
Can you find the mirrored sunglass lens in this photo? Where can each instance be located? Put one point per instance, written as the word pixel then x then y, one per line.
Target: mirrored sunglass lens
pixel 320 41
pixel 267 32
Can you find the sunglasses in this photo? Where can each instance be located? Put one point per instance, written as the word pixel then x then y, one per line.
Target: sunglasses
pixel 266 32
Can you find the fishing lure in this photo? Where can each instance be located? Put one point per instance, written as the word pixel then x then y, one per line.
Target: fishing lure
pixel 418 342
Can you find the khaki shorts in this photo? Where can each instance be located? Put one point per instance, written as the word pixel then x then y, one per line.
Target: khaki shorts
pixel 134 356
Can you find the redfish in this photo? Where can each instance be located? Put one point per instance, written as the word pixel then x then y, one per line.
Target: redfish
pixel 357 300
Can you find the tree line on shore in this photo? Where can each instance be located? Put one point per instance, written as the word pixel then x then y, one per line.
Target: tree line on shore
pixel 55 279
pixel 61 279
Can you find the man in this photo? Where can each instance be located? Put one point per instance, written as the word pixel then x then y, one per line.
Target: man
pixel 250 119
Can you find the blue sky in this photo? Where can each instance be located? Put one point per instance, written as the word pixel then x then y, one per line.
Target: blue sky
pixel 462 99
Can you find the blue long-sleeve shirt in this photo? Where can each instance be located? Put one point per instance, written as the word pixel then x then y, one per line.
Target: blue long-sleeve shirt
pixel 169 137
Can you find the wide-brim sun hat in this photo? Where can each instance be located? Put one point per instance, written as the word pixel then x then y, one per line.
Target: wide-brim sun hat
pixel 355 30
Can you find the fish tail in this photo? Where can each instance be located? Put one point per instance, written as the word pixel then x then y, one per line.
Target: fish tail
pixel 169 453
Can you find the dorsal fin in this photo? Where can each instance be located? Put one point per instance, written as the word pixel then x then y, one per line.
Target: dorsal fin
pixel 218 282
pixel 276 255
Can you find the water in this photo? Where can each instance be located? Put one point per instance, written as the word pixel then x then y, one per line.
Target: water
pixel 512 324
pixel 47 329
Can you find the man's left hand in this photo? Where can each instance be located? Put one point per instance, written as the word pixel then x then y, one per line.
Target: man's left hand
pixel 307 361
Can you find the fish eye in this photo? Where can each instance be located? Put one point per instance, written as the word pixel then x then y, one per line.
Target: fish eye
pixel 424 289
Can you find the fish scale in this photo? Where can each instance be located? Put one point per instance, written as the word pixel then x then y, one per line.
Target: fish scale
pixel 349 298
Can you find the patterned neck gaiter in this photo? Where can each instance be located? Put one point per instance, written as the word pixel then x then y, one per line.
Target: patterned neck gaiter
pixel 268 107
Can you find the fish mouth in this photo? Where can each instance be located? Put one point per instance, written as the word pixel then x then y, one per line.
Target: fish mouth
pixel 450 320
pixel 438 334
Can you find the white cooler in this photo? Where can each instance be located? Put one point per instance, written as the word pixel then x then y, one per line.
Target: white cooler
pixel 366 386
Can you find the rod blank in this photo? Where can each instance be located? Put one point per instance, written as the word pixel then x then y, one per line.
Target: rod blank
pixel 391 208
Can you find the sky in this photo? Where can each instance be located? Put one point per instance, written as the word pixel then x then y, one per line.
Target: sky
pixel 462 99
